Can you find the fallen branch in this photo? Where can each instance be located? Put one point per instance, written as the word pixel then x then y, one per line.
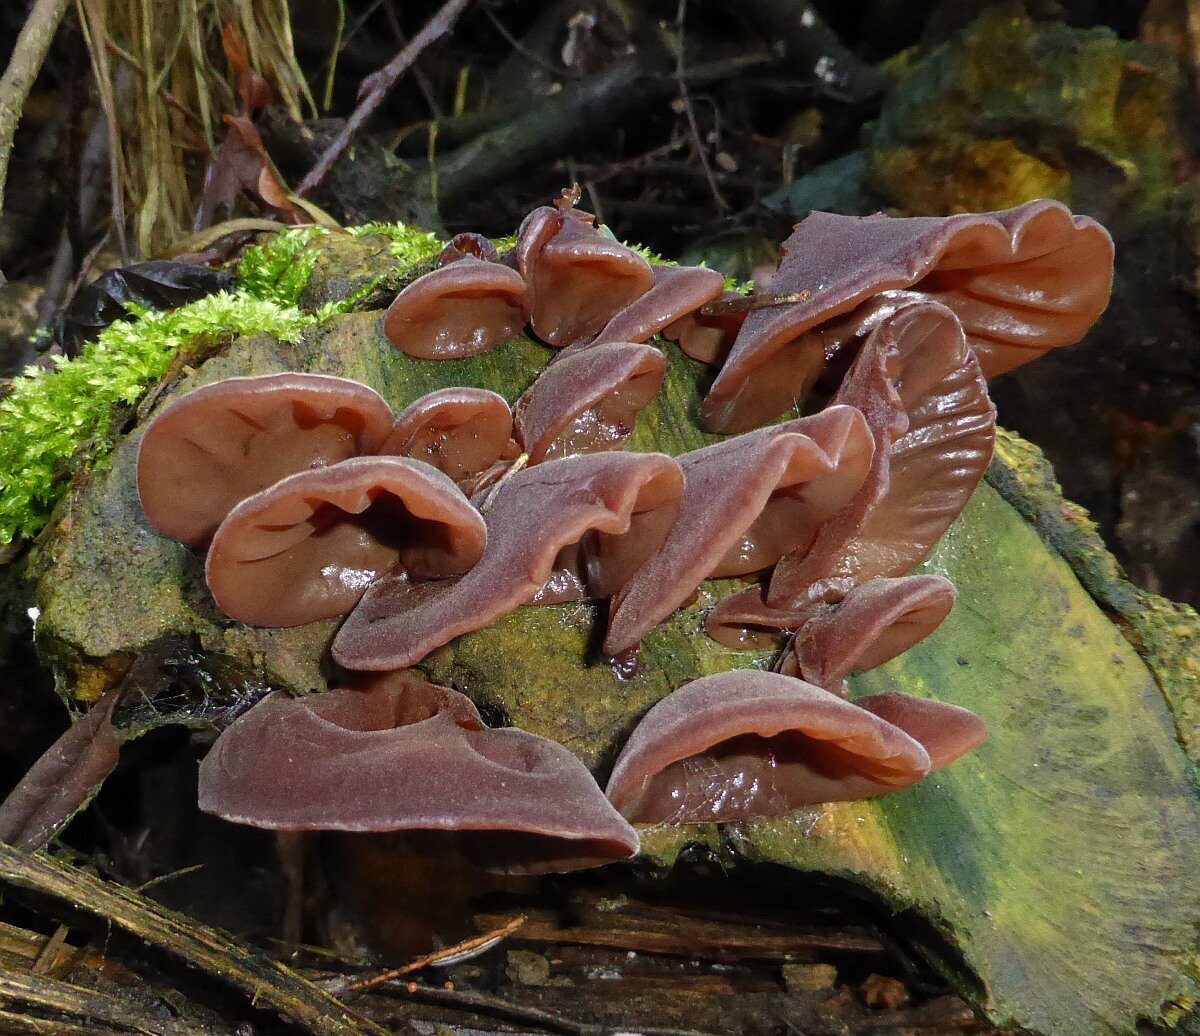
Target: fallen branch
pixel 380 83
pixel 268 984
pixel 580 110
pixel 33 43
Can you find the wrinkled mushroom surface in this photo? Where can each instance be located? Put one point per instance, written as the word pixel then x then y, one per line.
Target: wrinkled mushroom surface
pixel 308 547
pixel 706 336
pixel 677 291
pixel 748 501
pixel 921 389
pixel 588 401
pixel 217 445
pixel 462 309
pixel 1022 281
pixel 406 755
pixel 749 743
pixel 621 506
pixel 578 278
pixel 460 431
pixel 873 624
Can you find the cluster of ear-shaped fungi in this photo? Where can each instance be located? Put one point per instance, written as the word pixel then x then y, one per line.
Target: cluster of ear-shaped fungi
pixel 314 501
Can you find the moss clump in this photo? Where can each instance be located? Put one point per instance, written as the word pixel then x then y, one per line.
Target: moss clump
pixel 408 245
pixel 50 415
pixel 279 269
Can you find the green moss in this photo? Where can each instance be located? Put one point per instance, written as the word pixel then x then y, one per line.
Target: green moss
pixel 49 416
pixel 279 268
pixel 408 245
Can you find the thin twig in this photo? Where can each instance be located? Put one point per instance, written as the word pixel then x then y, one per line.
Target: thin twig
pixel 685 99
pixel 28 54
pixel 468 947
pixel 381 83
pixel 529 55
pixel 487 1006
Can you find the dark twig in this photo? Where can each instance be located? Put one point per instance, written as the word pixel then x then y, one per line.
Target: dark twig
pixel 530 55
pixel 689 112
pixel 269 984
pixel 488 1006
pixel 381 83
pixel 580 110
pixel 30 51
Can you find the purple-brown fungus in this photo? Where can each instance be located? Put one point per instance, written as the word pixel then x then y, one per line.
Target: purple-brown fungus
pixel 1021 281
pixel 404 755
pixel 553 530
pixel 677 292
pixel 748 743
pixel 212 448
pixel 587 401
pixel 308 547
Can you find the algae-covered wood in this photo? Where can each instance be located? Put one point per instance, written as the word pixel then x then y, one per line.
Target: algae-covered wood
pixel 1059 860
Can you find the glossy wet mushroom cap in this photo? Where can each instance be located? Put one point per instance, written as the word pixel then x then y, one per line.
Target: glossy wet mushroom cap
pixel 747 502
pixel 677 292
pixel 1022 281
pixel 404 755
pixel 458 310
pixel 601 515
pixel 308 547
pixel 708 336
pixel 460 431
pixel 587 401
pixel 210 449
pixel 873 624
pixel 749 743
pixel 578 278
pixel 922 391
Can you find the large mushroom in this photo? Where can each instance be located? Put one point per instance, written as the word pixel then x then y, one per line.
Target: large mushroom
pixel 223 442
pixel 308 547
pixel 588 401
pixel 926 401
pixel 677 292
pixel 1022 281
pixel 749 743
pixel 748 501
pixel 578 278
pixel 590 520
pixel 464 308
pixel 404 755
pixel 460 431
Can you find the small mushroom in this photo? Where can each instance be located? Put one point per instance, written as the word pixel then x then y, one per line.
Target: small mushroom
pixel 460 431
pixel 223 442
pixel 468 245
pixel 578 278
pixel 620 504
pixel 677 292
pixel 873 624
pixel 458 310
pixel 748 743
pixel 708 337
pixel 404 755
pixel 1022 281
pixel 747 502
pixel 308 547
pixel 588 401
pixel 923 393
pixel 744 621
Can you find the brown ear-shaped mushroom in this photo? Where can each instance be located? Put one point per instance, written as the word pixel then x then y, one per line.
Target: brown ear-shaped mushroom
pixel 747 502
pixel 915 375
pixel 749 743
pixel 708 336
pixel 405 755
pixel 873 624
pixel 462 309
pixel 621 504
pixel 744 621
pixel 215 446
pixel 308 547
pixel 677 292
pixel 468 245
pixel 460 431
pixel 588 401
pixel 1022 281
pixel 578 278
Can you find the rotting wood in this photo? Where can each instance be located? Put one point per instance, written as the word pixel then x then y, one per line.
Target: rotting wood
pixel 268 984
